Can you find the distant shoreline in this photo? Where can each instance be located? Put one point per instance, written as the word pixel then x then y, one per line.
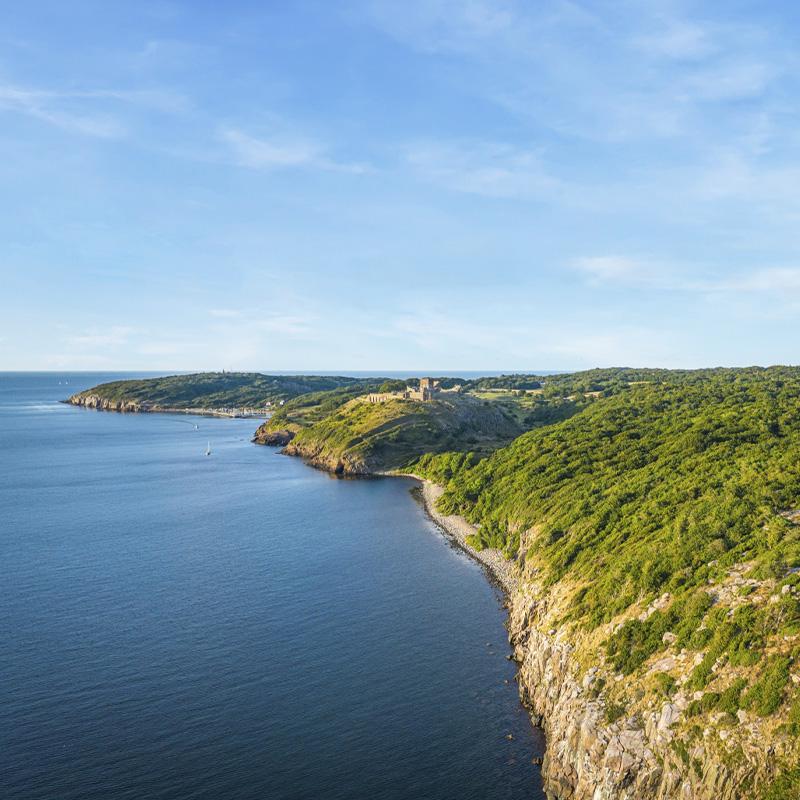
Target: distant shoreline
pixel 200 412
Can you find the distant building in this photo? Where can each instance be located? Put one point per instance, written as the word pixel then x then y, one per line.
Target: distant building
pixel 428 387
pixel 426 392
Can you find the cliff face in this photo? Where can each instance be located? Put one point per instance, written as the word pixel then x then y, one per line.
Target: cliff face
pixel 609 736
pixel 104 404
pixel 317 455
pixel 272 438
pixel 643 755
pixel 655 749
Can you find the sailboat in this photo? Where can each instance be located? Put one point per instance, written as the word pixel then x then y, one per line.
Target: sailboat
pixel 208 449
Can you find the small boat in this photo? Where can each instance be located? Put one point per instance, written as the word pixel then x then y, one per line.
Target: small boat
pixel 195 427
pixel 208 449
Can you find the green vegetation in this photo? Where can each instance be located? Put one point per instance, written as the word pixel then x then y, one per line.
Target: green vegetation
pixel 440 468
pixel 660 508
pixel 505 382
pixel 766 694
pixel 657 484
pixel 637 640
pixel 728 701
pixel 392 386
pixel 215 389
pixel 363 437
pixel 306 409
pixel 785 787
pixel 656 488
pixel 614 711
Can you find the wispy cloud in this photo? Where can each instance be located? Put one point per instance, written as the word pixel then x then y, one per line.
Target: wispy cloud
pixel 49 107
pixel 692 278
pixel 282 152
pixel 677 39
pixel 621 345
pixel 485 168
pixel 89 112
pixel 599 75
pixel 259 322
pixel 771 279
pixel 288 325
pixel 263 154
pixel 740 80
pixel 605 268
pixel 642 273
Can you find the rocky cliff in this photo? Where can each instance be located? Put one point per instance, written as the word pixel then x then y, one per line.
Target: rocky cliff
pixel 656 747
pixel 105 404
pixel 340 463
pixel 653 749
pixel 272 438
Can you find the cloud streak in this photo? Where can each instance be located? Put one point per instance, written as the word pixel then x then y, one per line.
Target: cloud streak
pixel 86 112
pixel 282 152
pixel 485 168
pixel 615 270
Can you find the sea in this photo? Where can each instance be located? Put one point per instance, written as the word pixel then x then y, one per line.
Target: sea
pixel 237 626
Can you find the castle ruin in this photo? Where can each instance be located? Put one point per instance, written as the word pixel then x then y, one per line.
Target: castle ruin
pixel 426 392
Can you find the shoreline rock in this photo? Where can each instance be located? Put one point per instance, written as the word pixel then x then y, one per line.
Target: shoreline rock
pixel 273 438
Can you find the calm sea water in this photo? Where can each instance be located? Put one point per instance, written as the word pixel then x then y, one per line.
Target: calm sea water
pixel 238 626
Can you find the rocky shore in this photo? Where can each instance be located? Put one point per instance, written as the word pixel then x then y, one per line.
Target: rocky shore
pixel 595 750
pixel 457 529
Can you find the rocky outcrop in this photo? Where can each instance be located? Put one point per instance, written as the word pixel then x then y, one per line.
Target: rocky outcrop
pixel 636 757
pixel 340 464
pixel 276 438
pixel 104 404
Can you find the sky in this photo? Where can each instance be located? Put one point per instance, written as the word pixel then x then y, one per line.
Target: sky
pixel 375 184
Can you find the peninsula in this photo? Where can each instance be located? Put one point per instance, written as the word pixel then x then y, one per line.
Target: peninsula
pixel 646 528
pixel 218 393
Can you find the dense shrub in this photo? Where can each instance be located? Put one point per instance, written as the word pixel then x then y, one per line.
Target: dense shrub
pixel 767 693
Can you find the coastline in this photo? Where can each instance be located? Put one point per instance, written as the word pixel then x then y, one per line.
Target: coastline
pixel 137 408
pixel 592 752
pixel 589 754
pixel 455 528
pixel 586 755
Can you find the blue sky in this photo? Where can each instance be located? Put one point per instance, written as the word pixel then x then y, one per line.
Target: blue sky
pixel 394 185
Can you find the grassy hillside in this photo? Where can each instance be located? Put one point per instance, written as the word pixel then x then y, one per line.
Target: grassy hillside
pixel 214 389
pixel 363 437
pixel 305 410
